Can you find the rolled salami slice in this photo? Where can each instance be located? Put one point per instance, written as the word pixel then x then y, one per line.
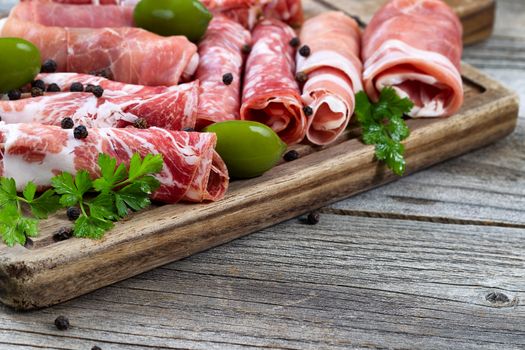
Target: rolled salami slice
pixel 220 56
pixel 192 171
pixel 415 47
pixel 173 107
pixel 334 74
pixel 128 55
pixel 271 94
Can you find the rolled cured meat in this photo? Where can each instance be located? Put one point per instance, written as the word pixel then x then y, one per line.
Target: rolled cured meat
pixel 415 47
pixel 271 94
pixel 288 11
pixel 334 73
pixel 173 107
pixel 192 171
pixel 79 16
pixel 128 55
pixel 220 56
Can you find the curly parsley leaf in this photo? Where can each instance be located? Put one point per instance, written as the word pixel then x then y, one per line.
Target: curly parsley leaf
pixel 383 126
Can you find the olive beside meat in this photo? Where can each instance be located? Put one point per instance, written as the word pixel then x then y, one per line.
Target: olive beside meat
pixel 19 63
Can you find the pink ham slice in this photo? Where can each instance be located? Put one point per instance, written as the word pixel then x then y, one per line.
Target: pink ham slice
pixel 271 94
pixel 415 46
pixel 334 74
pixel 220 53
pixel 65 15
pixel 130 55
pixel 288 11
pixel 173 108
pixel 192 169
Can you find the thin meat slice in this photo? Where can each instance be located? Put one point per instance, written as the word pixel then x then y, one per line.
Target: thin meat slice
pixel 334 73
pixel 128 55
pixel 173 108
pixel 288 11
pixel 271 94
pixel 220 54
pixel 66 15
pixel 415 47
pixel 83 2
pixel 192 169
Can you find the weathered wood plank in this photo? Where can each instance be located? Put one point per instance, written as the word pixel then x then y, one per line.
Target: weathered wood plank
pixel 346 283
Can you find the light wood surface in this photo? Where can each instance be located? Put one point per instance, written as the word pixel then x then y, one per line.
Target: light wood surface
pixel 351 282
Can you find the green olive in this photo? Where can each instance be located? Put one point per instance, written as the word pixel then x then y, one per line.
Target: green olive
pixel 19 63
pixel 173 17
pixel 248 148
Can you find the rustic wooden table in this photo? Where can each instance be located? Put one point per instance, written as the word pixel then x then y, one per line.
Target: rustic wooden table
pixel 435 260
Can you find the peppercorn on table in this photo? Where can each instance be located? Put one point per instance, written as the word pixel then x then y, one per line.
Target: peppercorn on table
pixel 434 260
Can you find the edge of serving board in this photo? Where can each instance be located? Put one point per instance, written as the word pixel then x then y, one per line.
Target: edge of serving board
pixel 47 272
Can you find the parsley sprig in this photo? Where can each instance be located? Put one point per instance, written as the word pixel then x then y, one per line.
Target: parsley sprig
pixel 383 126
pixel 102 201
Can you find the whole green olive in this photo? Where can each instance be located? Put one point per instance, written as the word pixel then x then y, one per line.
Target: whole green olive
pixel 249 149
pixel 19 63
pixel 173 17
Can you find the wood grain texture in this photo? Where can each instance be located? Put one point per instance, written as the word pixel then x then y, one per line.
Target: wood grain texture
pixel 363 283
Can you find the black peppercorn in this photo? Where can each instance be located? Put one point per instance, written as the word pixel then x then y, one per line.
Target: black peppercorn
pixel 53 88
pixel 291 155
pixel 67 123
pixel 188 129
pixel 38 84
pixel 308 111
pixel 246 49
pixel 49 66
pixel 62 323
pixel 98 91
pixel 73 213
pixel 63 234
pixel 227 78
pixel 301 77
pixel 89 88
pixel 140 123
pixel 14 95
pixel 36 91
pixel 96 348
pixel 313 218
pixel 80 132
pixel 295 42
pixel 76 87
pixel 304 51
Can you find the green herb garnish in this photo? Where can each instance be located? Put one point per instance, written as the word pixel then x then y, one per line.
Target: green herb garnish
pixel 383 126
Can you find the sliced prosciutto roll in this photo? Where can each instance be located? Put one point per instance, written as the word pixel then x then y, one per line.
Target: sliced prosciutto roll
pixel 221 56
pixel 173 108
pixel 271 94
pixel 129 55
pixel 288 11
pixel 415 47
pixel 80 16
pixel 334 74
pixel 192 171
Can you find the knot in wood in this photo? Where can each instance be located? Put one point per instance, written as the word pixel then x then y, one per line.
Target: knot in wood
pixel 497 297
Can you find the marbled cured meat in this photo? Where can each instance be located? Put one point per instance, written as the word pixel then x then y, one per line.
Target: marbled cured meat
pixel 334 73
pixel 220 53
pixel 271 94
pixel 80 16
pixel 415 46
pixel 288 11
pixel 192 171
pixel 173 107
pixel 130 55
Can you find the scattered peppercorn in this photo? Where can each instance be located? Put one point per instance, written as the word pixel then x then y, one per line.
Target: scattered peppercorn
pixel 295 42
pixel 80 132
pixel 305 51
pixel 63 234
pixel 38 84
pixel 62 323
pixel 14 95
pixel 76 87
pixel 301 77
pixel 104 73
pixel 227 78
pixel 291 155
pixel 73 213
pixel 53 88
pixel 98 91
pixel 313 218
pixel 49 66
pixel 36 91
pixel 96 348
pixel 67 123
pixel 89 88
pixel 308 111
pixel 140 123
pixel 246 49
pixel 188 129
